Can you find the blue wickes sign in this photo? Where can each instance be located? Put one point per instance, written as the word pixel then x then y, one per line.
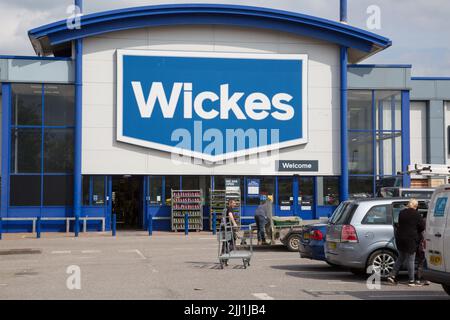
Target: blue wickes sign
pixel 212 106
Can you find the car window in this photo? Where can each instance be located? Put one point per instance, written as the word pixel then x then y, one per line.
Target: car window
pixel 343 213
pixel 378 215
pixel 389 192
pixel 396 208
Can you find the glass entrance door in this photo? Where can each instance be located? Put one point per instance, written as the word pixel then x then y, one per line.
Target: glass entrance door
pixel 306 197
pixel 285 203
pixel 127 201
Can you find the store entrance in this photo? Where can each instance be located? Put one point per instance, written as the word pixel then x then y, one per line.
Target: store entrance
pixel 127 204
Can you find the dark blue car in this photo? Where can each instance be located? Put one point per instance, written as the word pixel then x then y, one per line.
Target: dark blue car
pixel 312 242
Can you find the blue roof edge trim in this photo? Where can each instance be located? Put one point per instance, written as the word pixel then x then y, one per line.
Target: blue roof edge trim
pixel 183 14
pixel 430 78
pixel 34 58
pixel 408 66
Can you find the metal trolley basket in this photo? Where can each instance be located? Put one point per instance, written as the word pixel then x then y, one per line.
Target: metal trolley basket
pixel 227 246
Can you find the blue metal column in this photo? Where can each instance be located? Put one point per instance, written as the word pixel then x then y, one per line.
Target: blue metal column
pixel 6 105
pixel 315 198
pixel 344 133
pixel 295 194
pixel 77 188
pixel 374 145
pixel 108 213
pixel 405 137
pixel 343 11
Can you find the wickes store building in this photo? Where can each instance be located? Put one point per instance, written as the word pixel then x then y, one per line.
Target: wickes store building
pixel 113 115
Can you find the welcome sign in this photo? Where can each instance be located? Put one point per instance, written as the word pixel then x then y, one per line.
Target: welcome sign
pixel 212 106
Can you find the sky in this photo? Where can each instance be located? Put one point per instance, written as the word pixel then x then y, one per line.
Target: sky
pixel 419 29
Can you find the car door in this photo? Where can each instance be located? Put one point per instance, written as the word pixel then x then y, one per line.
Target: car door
pixel 435 230
pixel 446 248
pixel 375 229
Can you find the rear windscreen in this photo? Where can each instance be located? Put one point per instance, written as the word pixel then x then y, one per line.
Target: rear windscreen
pixel 343 213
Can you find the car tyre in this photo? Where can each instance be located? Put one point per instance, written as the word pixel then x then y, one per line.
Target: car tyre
pixel 446 288
pixel 293 242
pixel 382 260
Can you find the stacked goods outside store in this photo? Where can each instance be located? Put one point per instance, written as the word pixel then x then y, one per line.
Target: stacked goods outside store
pixel 218 204
pixel 187 202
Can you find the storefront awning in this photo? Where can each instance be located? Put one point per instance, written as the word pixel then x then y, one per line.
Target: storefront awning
pixel 55 38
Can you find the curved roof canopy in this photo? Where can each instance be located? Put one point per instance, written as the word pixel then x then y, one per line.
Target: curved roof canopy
pixel 55 38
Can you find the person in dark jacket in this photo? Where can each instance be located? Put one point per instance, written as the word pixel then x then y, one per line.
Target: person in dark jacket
pixel 261 219
pixel 407 237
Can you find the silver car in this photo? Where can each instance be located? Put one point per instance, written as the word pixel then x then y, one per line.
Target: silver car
pixel 360 233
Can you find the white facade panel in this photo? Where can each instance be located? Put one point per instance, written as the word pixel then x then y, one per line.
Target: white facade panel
pixel 418 132
pixel 446 131
pixel 102 154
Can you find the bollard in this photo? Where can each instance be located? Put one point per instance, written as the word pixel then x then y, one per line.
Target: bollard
pixel 214 223
pixel 186 223
pixel 1 228
pixel 113 227
pixel 38 227
pixel 76 227
pixel 150 225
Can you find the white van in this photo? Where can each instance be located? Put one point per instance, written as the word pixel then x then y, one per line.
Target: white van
pixel 437 236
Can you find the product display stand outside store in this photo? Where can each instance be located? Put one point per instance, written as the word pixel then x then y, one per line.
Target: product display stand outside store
pixel 187 202
pixel 218 203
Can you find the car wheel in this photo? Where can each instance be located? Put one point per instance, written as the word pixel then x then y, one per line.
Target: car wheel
pixel 382 261
pixel 446 288
pixel 293 242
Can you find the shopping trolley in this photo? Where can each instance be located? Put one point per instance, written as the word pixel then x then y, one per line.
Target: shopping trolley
pixel 227 246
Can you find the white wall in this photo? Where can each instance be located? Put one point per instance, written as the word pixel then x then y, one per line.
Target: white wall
pixel 418 132
pixel 447 124
pixel 103 155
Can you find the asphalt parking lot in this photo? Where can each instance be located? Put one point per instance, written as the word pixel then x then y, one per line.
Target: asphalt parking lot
pixel 173 266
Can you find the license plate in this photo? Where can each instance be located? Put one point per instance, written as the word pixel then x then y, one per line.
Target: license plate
pixel 331 245
pixel 435 260
pixel 306 236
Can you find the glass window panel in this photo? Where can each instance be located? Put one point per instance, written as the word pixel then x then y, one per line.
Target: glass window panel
pixel 155 190
pixel 172 182
pixel 86 182
pixel 26 104
pixel 266 187
pixel 328 191
pixel 285 194
pixel 306 192
pixel 58 190
pixel 360 152
pixel 378 215
pixel 205 185
pixel 361 187
pixel 25 190
pixel 387 144
pixel 388 110
pixel 98 190
pixel 398 152
pixel 58 150
pixel 59 105
pixel 190 182
pixel 26 150
pixel 219 184
pixel 360 109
